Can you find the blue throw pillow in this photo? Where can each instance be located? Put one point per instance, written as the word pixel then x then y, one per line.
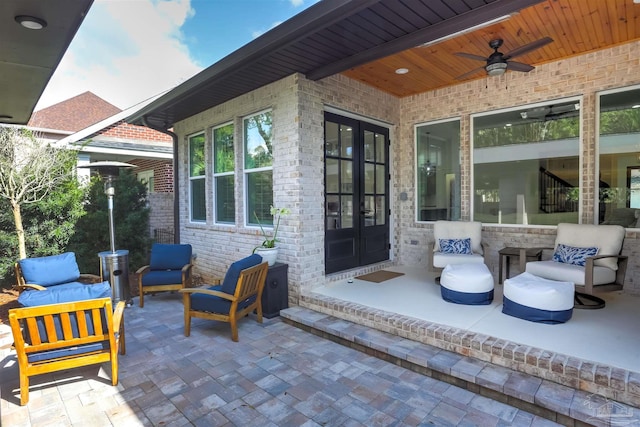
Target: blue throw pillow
pixel 169 257
pixel 231 278
pixel 572 255
pixel 455 246
pixel 50 270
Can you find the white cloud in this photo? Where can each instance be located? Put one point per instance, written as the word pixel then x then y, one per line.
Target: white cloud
pixel 125 52
pixel 297 3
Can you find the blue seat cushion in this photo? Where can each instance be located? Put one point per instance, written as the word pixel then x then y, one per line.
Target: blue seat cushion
pixel 550 317
pixel 233 273
pixel 67 292
pixel 214 304
pixel 169 257
pixel 50 270
pixel 466 298
pixel 67 352
pixel 162 277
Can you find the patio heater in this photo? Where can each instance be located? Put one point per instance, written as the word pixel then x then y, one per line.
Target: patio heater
pixel 114 264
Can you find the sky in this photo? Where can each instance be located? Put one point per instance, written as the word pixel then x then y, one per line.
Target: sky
pixel 127 51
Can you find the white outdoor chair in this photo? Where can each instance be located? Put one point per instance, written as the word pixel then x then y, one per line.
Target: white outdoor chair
pixel 452 234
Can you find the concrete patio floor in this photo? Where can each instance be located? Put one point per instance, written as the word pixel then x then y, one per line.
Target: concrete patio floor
pixel 277 375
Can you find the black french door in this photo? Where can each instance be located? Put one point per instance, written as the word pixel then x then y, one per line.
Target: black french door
pixel 356 193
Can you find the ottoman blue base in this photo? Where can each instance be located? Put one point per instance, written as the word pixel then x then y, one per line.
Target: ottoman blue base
pixel 466 298
pixel 535 314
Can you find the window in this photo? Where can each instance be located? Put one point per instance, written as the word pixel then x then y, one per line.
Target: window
pixel 526 164
pixel 146 177
pixel 438 171
pixel 197 180
pixel 258 167
pixel 619 157
pixel 223 174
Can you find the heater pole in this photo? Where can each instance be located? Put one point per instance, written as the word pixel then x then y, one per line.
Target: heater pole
pixel 110 192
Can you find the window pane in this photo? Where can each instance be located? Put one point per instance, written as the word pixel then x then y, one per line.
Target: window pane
pixel 526 165
pixel 333 212
pixel 380 148
pixel 369 146
pixel 224 159
pixel 198 200
pixel 369 178
pixel 333 176
pixel 380 210
pixel 347 176
pixel 619 142
pixel 225 199
pixel 196 155
pixel 260 197
pixel 438 171
pixel 258 151
pixel 380 179
pixel 332 139
pixel 346 141
pixel 346 210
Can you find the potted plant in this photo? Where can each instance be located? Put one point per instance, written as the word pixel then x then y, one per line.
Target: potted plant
pixel 268 249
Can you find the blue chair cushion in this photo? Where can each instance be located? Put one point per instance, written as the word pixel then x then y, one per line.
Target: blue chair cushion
pixel 50 270
pixel 214 304
pixel 169 257
pixel 67 352
pixel 68 292
pixel 162 277
pixel 233 273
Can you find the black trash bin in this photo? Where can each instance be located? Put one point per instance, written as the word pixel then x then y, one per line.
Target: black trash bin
pixel 114 267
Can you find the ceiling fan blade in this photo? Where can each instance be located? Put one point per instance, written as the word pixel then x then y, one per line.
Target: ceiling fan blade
pixel 470 56
pixel 465 75
pixel 528 47
pixel 519 66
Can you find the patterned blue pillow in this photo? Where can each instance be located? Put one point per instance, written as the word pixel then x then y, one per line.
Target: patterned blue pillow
pixel 572 255
pixel 455 246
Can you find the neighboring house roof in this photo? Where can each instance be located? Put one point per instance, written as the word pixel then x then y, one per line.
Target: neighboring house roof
pixel 29 57
pixel 113 136
pixel 74 114
pixel 368 40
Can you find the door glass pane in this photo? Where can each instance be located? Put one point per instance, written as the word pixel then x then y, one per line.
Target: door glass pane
pixel 333 212
pixel 346 211
pixel 369 146
pixel 369 178
pixel 380 148
pixel 347 176
pixel 369 211
pixel 380 181
pixel 333 177
pixel 380 210
pixel 346 141
pixel 332 139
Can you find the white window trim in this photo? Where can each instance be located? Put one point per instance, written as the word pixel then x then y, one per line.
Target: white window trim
pixel 221 174
pixel 191 178
pixel 246 171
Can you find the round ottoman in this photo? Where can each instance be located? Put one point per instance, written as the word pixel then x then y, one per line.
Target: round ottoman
pixel 470 284
pixel 536 299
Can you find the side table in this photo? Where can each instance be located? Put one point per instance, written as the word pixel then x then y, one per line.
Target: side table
pixel 275 295
pixel 524 254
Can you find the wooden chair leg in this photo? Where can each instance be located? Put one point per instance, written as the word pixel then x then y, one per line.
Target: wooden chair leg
pixel 114 370
pixel 141 292
pixel 123 344
pixel 233 320
pixel 259 312
pixel 24 389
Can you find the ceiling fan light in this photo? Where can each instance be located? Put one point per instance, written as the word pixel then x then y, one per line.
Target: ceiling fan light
pixel 496 69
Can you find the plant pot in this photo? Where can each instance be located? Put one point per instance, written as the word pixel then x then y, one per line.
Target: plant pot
pixel 268 254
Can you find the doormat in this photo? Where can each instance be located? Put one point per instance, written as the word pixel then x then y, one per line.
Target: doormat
pixel 379 276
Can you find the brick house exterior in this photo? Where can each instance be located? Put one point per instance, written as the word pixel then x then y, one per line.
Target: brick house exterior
pixel 298 106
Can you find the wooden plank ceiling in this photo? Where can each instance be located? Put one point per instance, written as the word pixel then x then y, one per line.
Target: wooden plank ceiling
pixel 576 26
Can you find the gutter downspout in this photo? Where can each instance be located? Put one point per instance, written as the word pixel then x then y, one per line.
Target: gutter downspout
pixel 176 199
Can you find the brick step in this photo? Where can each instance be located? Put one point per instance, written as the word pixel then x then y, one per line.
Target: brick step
pixel 547 399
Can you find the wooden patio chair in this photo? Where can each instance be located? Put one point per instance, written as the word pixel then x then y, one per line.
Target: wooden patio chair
pixel 56 337
pixel 239 294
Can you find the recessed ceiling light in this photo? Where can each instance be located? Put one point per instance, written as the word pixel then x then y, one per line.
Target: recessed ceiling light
pixel 5 117
pixel 637 105
pixel 402 71
pixel 31 22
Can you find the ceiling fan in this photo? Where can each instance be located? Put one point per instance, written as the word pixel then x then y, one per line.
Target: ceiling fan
pixel 498 62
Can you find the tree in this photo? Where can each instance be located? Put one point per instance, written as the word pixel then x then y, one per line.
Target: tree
pixel 131 220
pixel 30 170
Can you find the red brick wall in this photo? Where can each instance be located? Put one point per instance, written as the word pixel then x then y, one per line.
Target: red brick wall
pixel 162 173
pixel 128 131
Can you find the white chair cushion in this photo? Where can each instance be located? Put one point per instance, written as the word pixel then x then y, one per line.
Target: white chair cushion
pixel 536 292
pixel 569 272
pixel 469 278
pixel 459 230
pixel 441 260
pixel 607 238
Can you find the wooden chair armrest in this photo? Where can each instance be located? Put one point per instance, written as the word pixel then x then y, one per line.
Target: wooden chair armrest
pixel 91 278
pixel 30 286
pixel 143 269
pixel 118 315
pixel 187 268
pixel 208 292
